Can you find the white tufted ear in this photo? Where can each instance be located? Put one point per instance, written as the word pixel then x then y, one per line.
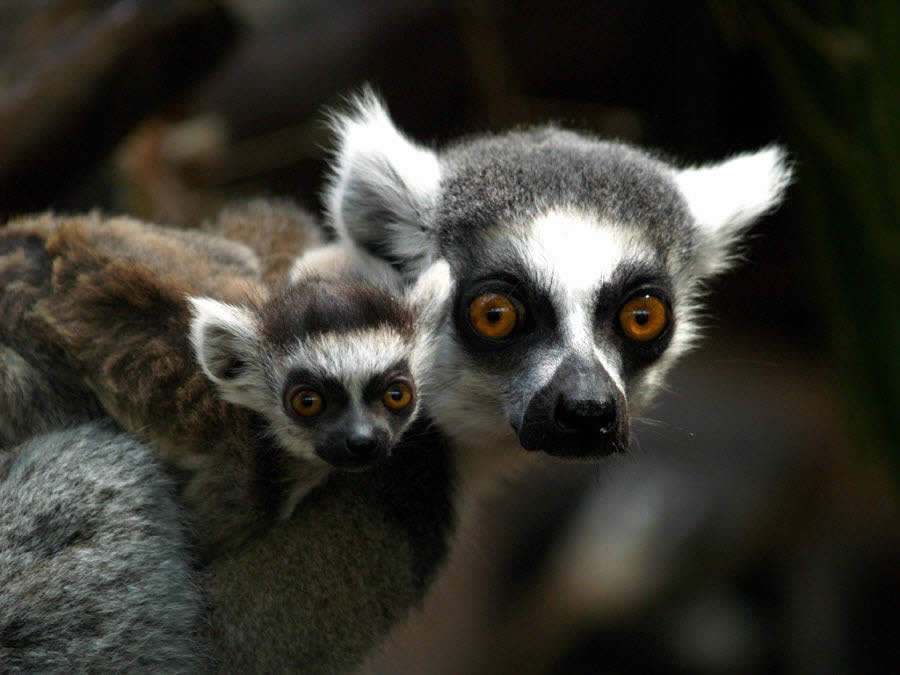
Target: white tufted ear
pixel 382 185
pixel 225 340
pixel 727 197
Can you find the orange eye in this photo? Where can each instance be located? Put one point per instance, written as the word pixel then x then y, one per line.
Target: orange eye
pixel 307 402
pixel 493 316
pixel 397 396
pixel 643 318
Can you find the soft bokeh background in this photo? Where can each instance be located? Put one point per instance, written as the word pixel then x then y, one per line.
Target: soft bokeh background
pixel 168 109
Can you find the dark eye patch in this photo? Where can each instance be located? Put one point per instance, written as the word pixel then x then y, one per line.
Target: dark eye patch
pixel 536 316
pixel 375 387
pixel 630 282
pixel 331 390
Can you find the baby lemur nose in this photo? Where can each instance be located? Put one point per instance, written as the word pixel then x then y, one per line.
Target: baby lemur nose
pixel 585 415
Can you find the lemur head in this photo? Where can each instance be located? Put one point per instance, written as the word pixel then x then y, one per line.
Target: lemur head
pixel 331 366
pixel 576 265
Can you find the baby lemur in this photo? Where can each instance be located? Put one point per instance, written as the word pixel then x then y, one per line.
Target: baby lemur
pixel 254 394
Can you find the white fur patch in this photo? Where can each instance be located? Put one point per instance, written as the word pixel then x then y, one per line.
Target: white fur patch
pixel 342 261
pixel 572 254
pixel 727 197
pixel 352 357
pixel 380 173
pixel 221 333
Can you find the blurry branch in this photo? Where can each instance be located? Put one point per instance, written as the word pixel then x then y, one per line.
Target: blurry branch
pixel 839 78
pixel 94 72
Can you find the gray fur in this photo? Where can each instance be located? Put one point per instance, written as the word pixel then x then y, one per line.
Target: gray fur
pixel 95 573
pixel 513 177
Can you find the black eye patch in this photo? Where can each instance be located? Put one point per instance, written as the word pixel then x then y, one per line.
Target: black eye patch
pixel 332 391
pixel 376 386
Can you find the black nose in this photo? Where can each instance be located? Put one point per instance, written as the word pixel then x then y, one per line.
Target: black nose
pixel 579 413
pixel 362 447
pixel 584 415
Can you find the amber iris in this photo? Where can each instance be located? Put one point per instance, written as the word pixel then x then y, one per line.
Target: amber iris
pixel 397 396
pixel 307 402
pixel 643 318
pixel 493 316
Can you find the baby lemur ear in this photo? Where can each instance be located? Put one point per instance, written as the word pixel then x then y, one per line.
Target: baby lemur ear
pixel 382 186
pixel 727 197
pixel 429 295
pixel 225 340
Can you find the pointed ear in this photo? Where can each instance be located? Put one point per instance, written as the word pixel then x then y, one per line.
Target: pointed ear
pixel 382 186
pixel 225 340
pixel 430 295
pixel 727 197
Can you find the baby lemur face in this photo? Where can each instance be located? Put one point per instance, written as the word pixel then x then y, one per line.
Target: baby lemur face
pixel 331 366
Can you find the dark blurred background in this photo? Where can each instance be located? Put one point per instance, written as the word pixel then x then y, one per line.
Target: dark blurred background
pixel 169 109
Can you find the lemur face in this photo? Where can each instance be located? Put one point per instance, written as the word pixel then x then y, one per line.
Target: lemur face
pixel 332 367
pixel 576 264
pixel 564 319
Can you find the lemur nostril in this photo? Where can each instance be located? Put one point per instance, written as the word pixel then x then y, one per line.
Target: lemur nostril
pixel 584 414
pixel 361 446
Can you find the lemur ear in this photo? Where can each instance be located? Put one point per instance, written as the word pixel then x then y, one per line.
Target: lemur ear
pixel 225 340
pixel 382 186
pixel 727 197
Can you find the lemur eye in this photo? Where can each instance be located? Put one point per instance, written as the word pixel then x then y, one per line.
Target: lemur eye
pixel 493 316
pixel 307 402
pixel 397 396
pixel 643 318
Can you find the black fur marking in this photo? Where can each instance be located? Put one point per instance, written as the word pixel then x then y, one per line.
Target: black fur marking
pixel 627 279
pixel 374 390
pixel 415 487
pixel 16 635
pixel 233 369
pixel 595 434
pixel 539 325
pixel 318 306
pixel 332 391
pixel 271 467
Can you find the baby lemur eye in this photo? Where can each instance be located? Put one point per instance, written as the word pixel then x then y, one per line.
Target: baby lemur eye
pixel 397 396
pixel 643 318
pixel 307 402
pixel 493 315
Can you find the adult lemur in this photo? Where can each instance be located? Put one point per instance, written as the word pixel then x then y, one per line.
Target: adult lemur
pixel 576 266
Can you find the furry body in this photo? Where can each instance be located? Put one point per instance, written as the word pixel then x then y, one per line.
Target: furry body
pixel 38 391
pixel 357 554
pixel 121 329
pixel 118 310
pixel 95 571
pixel 275 230
pixel 351 562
